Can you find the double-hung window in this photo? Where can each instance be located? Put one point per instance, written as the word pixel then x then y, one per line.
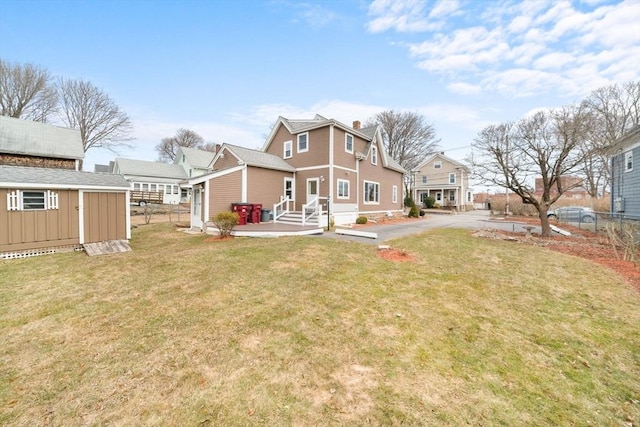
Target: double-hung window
pixel 371 192
pixel 394 194
pixel 424 179
pixel 343 189
pixel 374 155
pixel 452 178
pixel 348 143
pixel 288 150
pixel 303 142
pixel 628 161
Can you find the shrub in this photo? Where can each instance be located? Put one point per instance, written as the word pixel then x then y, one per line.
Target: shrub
pixel 414 212
pixel 408 201
pixel 361 220
pixel 429 202
pixel 225 221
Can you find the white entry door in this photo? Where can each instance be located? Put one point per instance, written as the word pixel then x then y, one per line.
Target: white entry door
pixel 313 189
pixel 196 208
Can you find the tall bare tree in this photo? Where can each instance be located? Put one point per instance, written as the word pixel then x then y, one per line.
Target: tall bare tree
pixel 168 147
pixel 26 92
pixel 614 110
pixel 546 145
pixel 408 138
pixel 101 122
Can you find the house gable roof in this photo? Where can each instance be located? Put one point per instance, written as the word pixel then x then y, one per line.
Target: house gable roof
pixel 629 141
pixel 25 137
pixel 151 169
pixel 255 158
pixel 200 159
pixel 441 156
pixel 33 177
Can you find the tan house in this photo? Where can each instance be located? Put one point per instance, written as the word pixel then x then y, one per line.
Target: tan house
pixel 46 203
pixel 306 170
pixel 444 179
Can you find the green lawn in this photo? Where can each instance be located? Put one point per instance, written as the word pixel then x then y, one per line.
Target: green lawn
pixel 312 331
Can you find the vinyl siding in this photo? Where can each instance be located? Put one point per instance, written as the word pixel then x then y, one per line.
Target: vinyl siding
pixel 265 186
pixel 223 191
pixel 627 184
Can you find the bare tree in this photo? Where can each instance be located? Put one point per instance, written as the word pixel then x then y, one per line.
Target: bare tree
pixel 545 145
pixel 168 147
pixel 614 111
pixel 26 92
pixel 101 122
pixel 408 138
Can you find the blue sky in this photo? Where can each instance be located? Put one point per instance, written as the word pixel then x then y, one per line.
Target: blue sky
pixel 228 69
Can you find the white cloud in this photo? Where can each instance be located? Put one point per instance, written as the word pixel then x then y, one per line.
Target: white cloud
pixel 399 15
pixel 444 8
pixel 530 47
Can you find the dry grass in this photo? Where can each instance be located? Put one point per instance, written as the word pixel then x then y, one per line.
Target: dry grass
pixel 309 331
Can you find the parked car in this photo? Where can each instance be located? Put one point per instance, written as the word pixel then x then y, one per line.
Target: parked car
pixel 572 214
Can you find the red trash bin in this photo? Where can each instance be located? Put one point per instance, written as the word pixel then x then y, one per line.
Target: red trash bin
pixel 243 210
pixel 256 211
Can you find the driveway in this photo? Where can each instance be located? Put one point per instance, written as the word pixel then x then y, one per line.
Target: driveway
pixel 477 219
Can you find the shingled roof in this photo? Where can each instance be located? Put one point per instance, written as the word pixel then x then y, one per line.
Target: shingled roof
pixel 259 158
pixel 30 138
pixel 25 176
pixel 200 159
pixel 132 167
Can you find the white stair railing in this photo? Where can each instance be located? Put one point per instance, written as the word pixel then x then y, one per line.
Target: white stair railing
pixel 311 210
pixel 280 209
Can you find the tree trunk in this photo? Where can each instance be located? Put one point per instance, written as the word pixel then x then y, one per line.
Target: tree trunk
pixel 544 221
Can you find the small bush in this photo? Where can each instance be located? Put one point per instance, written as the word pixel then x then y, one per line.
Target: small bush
pixel 429 202
pixel 225 221
pixel 361 220
pixel 414 212
pixel 408 201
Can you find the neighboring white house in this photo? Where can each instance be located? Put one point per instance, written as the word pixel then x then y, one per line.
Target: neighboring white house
pixel 444 179
pixel 153 177
pixel 194 162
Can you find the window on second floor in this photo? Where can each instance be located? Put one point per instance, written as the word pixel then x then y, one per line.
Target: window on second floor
pixel 303 142
pixel 374 155
pixel 348 143
pixel 437 165
pixel 288 150
pixel 628 161
pixel 424 179
pixel 452 178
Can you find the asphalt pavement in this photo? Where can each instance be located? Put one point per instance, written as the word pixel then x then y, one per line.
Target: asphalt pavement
pixel 476 219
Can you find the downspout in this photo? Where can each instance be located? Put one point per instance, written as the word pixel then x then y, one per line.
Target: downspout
pixel 205 201
pixel 331 154
pixel 243 194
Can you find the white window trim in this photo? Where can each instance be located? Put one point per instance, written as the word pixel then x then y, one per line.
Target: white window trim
pixel 15 201
pixel 284 149
pixel 452 174
pixel 394 194
pixel 346 145
pixel 343 181
pixel 293 187
pixel 298 139
pixel 374 155
pixel 628 156
pixel 424 179
pixel 437 165
pixel 364 193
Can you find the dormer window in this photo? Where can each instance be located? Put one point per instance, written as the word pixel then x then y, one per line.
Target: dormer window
pixel 303 142
pixel 374 155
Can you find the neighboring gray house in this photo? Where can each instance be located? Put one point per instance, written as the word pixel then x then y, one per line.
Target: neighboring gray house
pixel 444 179
pixel 625 176
pixel 153 177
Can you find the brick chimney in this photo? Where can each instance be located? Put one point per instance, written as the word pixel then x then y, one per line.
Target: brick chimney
pixel 356 124
pixel 217 148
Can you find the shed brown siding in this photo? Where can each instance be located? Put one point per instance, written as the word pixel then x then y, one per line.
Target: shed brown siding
pixel 104 216
pixel 22 230
pixel 265 186
pixel 223 191
pixel 34 161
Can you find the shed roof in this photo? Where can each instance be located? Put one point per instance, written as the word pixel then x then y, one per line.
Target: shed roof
pixel 39 139
pixel 13 176
pixel 150 169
